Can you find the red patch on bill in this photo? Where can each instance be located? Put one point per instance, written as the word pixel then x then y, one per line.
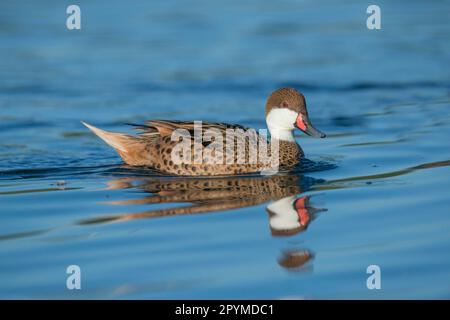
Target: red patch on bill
pixel 302 212
pixel 300 124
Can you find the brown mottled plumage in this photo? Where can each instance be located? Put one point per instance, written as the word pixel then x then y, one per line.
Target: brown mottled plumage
pixel 154 147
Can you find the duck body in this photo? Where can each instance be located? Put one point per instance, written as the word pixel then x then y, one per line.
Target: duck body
pixel 192 148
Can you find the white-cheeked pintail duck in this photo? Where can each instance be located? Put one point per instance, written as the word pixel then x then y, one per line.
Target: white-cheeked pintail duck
pixel 154 146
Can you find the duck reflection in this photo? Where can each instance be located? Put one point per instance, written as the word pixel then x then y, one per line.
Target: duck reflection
pixel 296 260
pixel 289 212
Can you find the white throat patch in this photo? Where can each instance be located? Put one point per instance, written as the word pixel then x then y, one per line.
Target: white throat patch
pixel 285 217
pixel 280 122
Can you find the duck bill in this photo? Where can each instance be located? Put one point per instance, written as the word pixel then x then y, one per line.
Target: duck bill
pixel 305 125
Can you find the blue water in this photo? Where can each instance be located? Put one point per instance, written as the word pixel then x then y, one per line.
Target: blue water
pixel 377 187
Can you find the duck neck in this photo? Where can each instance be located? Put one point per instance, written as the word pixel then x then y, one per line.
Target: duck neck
pixel 281 134
pixel 289 151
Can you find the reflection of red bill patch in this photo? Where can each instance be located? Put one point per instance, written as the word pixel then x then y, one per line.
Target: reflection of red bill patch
pixel 300 124
pixel 302 212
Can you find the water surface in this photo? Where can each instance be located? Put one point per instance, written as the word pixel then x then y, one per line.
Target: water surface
pixel 376 191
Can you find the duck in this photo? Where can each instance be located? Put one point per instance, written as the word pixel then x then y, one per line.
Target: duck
pixel 155 146
pixel 289 211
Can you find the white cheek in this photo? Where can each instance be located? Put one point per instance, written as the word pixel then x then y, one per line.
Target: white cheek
pixel 284 223
pixel 281 118
pixel 285 217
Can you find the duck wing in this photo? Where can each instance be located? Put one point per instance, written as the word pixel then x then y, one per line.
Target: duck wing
pixel 166 127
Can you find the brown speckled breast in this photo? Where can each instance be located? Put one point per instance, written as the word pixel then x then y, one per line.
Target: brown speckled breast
pixel 160 158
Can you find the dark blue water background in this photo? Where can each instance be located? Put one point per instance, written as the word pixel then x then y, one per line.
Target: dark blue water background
pixel 382 174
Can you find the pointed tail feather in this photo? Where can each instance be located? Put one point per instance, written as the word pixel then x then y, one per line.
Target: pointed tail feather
pixel 118 141
pixel 130 148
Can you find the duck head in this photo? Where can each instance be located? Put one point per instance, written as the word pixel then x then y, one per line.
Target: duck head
pixel 285 111
pixel 289 215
